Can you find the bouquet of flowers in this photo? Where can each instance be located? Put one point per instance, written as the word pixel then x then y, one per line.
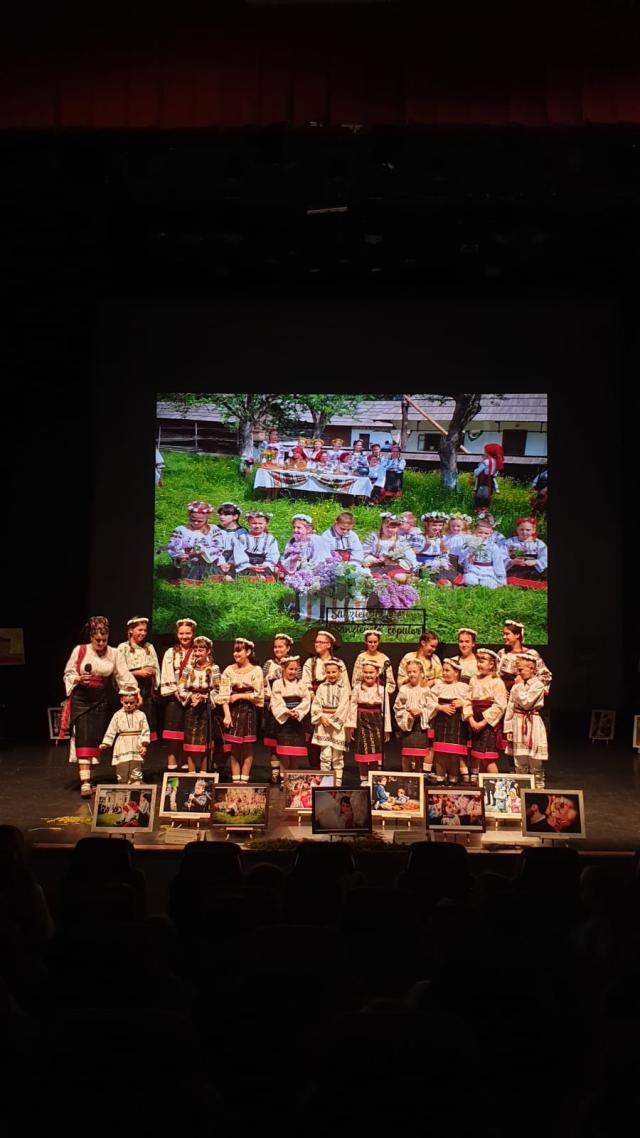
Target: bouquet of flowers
pixel 390 595
pixel 305 579
pixel 269 454
pixel 352 580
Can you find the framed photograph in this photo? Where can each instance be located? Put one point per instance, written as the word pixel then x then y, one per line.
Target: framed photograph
pixel 187 795
pixel 502 794
pixel 602 726
pixel 455 808
pixel 636 732
pixel 241 805
pixel 553 813
pixel 123 807
pixel 341 810
pixel 395 794
pixel 54 715
pixel 297 787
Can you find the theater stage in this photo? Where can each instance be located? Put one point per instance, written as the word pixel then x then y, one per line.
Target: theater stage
pixel 40 795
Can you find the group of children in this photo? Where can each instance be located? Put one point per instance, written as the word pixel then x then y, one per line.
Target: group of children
pixel 449 549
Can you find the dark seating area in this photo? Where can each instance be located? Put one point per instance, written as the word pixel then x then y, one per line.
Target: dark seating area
pixel 311 992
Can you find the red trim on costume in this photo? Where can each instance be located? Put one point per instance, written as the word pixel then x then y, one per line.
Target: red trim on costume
pixel 523 583
pixel 179 735
pixel 239 738
pixel 450 748
pixel 267 741
pixel 302 751
pixel 184 662
pixel 153 737
pixel 420 752
pixel 374 758
pixel 88 752
pixel 198 748
pixel 458 580
pixel 485 756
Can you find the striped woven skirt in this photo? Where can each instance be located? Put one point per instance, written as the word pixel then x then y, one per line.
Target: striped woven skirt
pixel 369 734
pixel 291 734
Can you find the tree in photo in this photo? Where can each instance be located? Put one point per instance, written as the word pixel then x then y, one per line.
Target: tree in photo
pixel 247 412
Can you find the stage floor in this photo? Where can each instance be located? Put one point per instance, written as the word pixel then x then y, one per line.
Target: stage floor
pixel 39 793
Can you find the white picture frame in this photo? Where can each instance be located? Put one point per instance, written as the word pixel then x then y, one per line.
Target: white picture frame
pixel 123 808
pixel 499 807
pixel 556 814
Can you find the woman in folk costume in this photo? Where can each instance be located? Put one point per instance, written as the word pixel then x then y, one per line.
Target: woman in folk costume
pixel 373 655
pixel 198 688
pixel 484 711
pixel 256 554
pixel 290 704
pixel 271 671
pixel 174 661
pixel 411 712
pixel 370 719
pixel 387 553
pixel 394 472
pixel 196 548
pixel 142 661
pixel 241 695
pixel 513 638
pixel 466 655
pixel 89 676
pixel 523 724
pixel 450 732
pixel 485 482
pixel 329 712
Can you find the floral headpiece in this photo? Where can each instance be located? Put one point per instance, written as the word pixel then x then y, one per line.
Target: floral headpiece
pixel 454 663
pixel 137 620
pixel 325 632
pixel 528 656
pixel 463 517
pixel 387 516
pixel 488 652
pixel 186 620
pixel 372 632
pixel 200 508
pixel 229 507
pixel 203 641
pixel 471 631
pixel 435 515
pixel 303 518
pixel 258 514
pixel 515 626
pixel 279 636
pixel 243 640
pixel 289 659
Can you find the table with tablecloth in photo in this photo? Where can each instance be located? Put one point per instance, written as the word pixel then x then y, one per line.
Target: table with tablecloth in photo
pixel 269 477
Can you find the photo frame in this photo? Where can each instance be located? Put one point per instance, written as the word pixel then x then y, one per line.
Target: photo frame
pixel 54 717
pixel 456 810
pixel 602 726
pixel 297 787
pixel 341 810
pixel 124 807
pixel 499 791
pixel 395 794
pixel 553 814
pixel 244 806
pixel 636 732
pixel 182 796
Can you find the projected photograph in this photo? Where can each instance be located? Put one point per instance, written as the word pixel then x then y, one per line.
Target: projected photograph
pixel 369 510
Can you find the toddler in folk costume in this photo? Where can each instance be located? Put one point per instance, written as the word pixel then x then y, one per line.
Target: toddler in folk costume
pixel 129 731
pixel 329 712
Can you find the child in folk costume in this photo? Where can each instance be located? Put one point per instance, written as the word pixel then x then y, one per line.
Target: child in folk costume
pixel 304 545
pixel 450 730
pixel 526 562
pixel 432 555
pixel 142 661
pixel 482 559
pixel 513 637
pixel 523 723
pixel 370 718
pixel 410 530
pixel 88 678
pixel 290 703
pixel 129 731
pixel 485 475
pixel 256 554
pixel 387 553
pixel 411 712
pixel 195 548
pixel 313 672
pixel 272 670
pixel 228 528
pixel 484 710
pixel 340 538
pixel 454 536
pixel 174 662
pixel 198 687
pixel 372 655
pixel 241 695
pixel 329 713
